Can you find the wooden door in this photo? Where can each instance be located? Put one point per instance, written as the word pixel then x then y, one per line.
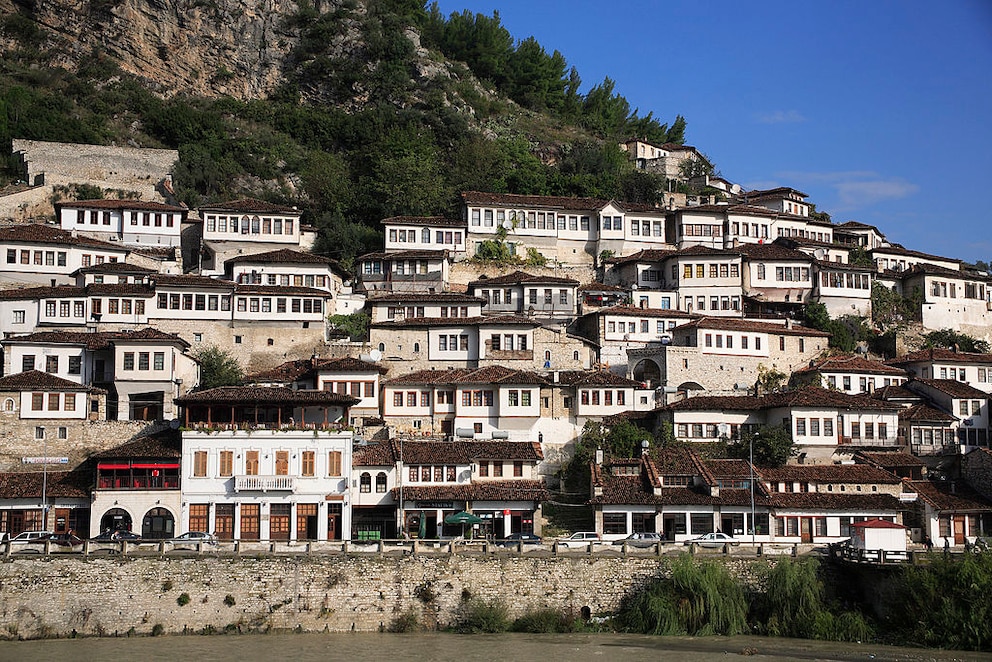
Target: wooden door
pixel 61 520
pixel 959 529
pixel 806 529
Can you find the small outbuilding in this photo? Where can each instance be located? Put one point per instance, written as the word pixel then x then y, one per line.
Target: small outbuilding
pixel 878 534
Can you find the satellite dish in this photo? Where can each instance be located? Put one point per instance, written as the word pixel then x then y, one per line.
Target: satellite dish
pixel 507 224
pixel 820 253
pixel 375 355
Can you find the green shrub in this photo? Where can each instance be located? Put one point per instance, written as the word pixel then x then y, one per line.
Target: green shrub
pixel 406 622
pixel 229 600
pixel 479 616
pixel 183 599
pixel 158 629
pixel 167 585
pixel 544 621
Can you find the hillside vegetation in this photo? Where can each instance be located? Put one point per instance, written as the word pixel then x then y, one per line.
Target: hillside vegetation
pixel 384 107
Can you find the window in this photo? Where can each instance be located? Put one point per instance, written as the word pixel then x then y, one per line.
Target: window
pixel 69 404
pixel 334 463
pixel 380 483
pixel 226 467
pixel 200 463
pixel 27 362
pixel 51 364
pixel 251 463
pixel 39 432
pixel 615 523
pixel 37 401
pixel 53 402
pixel 282 463
pixel 143 361
pixel 365 482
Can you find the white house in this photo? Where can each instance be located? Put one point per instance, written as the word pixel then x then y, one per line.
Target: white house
pixel 127 221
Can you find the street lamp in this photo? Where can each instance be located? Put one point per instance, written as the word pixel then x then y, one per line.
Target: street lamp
pixel 751 444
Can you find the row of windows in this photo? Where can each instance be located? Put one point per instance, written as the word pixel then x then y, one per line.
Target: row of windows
pixel 436 474
pixel 701 230
pixel 841 280
pixel 308 280
pixel 720 341
pixel 866 384
pixel 716 303
pixel 55 401
pixel 868 429
pixel 118 306
pixel 595 396
pixel 253 458
pixel 357 389
pixel 452 343
pixel 64 308
pixel 738 229
pixel 643 325
pixel 445 237
pixel 531 220
pixel 193 301
pixel 506 342
pixel 147 219
pixel 87 260
pixel 805 234
pixel 715 270
pixel 157 357
pixel 704 430
pixel 950 290
pixel 976 407
pixel 46 258
pixel 646 228
pixel 264 305
pixel 827 426
pixel 250 225
pixel 365 482
pixel 497 469
pixel 454 311
pixel 52 364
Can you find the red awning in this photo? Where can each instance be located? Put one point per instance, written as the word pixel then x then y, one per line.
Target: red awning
pixel 108 465
pixel 161 465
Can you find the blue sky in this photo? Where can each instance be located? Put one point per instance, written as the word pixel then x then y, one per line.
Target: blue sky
pixel 880 110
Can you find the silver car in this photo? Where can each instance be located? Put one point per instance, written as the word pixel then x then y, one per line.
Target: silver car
pixel 714 540
pixel 640 540
pixel 193 538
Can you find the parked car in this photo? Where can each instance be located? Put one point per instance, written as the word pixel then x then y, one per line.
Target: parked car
pixel 641 540
pixel 579 539
pixel 192 538
pixel 68 539
pixel 714 540
pixel 25 537
pixel 117 536
pixel 514 539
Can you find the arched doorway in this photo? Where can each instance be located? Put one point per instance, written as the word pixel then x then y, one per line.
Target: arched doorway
pixel 158 524
pixel 647 371
pixel 115 519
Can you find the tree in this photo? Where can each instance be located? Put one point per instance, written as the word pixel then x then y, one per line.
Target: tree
pixel 860 257
pixel 770 379
pixel 218 368
pixel 355 325
pixel 772 446
pixel 949 339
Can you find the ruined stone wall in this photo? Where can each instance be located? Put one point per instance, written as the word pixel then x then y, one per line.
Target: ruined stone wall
pixel 58 597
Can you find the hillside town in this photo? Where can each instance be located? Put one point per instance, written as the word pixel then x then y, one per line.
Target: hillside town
pixel 495 341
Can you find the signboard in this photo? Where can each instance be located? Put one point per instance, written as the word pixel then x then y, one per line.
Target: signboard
pixel 440 505
pixel 45 460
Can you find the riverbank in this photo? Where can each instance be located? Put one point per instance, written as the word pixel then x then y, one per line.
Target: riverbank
pixel 464 648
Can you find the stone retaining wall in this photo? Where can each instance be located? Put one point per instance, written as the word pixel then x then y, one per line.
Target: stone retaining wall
pixel 61 596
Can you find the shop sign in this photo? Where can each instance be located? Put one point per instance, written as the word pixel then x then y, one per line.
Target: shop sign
pixel 440 505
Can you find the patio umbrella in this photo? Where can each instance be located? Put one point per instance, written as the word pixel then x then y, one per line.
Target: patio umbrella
pixel 462 518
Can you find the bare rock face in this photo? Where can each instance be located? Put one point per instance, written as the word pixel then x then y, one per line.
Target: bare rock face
pixel 201 47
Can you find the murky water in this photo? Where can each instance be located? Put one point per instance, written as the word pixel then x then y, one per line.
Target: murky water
pixel 464 648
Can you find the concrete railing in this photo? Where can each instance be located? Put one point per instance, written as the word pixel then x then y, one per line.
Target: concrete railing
pixel 264 484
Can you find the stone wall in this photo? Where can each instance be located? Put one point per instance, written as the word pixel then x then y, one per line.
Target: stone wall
pixel 57 597
pixel 17 439
pixel 465 272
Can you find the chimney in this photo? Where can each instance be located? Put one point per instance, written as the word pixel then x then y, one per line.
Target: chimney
pixel 956 348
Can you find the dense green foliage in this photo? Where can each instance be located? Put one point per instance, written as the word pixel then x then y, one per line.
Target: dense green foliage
pixel 622 440
pixel 701 598
pixel 218 368
pixel 481 616
pixel 352 136
pixel 356 325
pixel 546 621
pixel 773 446
pixel 949 339
pixel 946 603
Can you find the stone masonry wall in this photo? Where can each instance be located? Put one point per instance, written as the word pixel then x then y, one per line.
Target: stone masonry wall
pixel 45 598
pixel 84 439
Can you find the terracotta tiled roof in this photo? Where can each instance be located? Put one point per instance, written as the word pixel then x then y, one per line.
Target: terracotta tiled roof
pixel 877 524
pixel 646 255
pixel 293 370
pixel 498 374
pixel 522 278
pixel 896 249
pixel 891 460
pixel 115 268
pixel 776 193
pixel 164 253
pixel 424 297
pixel 735 324
pixel 814 396
pixel 163 445
pixel 426 377
pixel 284 256
pixel 894 393
pixel 936 355
pixel 127 289
pixel 98 340
pixel 717 403
pixel 276 290
pixel 951 387
pixel 638 207
pixel 61 484
pixel 483 490
pixel 434 221
pixel 827 473
pixel 634 311
pixel 25 293
pixel 37 380
pixel 950 495
pixel 925 414
pixel 138 205
pixel 486 320
pixel 374 455
pixel 249 206
pixel 542 201
pixel 595 378
pixel 265 396
pixel 855 225
pixel 851 363
pixel 465 452
pixel 186 280
pixel 404 255
pixel 836 502
pixel 35 233
pixel 934 270
pixel 773 252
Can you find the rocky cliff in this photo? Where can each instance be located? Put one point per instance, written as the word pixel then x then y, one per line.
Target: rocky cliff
pixel 238 48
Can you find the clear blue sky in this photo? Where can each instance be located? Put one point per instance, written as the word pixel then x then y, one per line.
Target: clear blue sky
pixel 880 110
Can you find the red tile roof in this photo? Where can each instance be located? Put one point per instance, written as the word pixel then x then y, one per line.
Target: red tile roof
pixel 249 206
pixel 266 396
pixel 951 387
pixel 465 452
pixel 137 205
pixel 542 201
pixel 596 378
pixel 96 340
pixel 735 324
pixel 35 380
pixel 937 355
pixel 827 473
pixel 851 363
pixel 282 256
pixel 166 444
pixel 521 278
pixel 35 233
pixel 58 484
pixel 950 495
pixel 925 414
pixel 433 221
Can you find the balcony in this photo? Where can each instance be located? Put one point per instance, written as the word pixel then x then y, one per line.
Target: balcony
pixel 264 484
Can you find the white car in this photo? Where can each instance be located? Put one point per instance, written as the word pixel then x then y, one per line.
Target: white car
pixel 579 539
pixel 192 538
pixel 714 540
pixel 25 537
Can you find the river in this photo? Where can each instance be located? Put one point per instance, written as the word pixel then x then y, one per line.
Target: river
pixel 464 648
